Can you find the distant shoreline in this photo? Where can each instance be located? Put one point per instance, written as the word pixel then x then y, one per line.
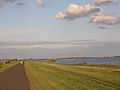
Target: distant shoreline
pixel 68 58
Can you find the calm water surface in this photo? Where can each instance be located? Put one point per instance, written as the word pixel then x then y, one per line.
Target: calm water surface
pixel 114 61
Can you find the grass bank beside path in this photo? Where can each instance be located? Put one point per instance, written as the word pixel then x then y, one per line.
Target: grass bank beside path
pixel 52 76
pixel 4 67
pixel 105 66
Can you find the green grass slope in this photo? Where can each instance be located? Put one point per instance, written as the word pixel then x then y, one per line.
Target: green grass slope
pixel 4 67
pixel 52 76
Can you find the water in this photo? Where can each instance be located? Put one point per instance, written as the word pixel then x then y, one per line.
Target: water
pixel 114 61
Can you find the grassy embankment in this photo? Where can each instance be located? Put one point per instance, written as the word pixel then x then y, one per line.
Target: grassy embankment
pixel 52 76
pixel 4 67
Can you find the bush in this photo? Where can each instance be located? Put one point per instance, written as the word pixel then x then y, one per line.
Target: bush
pixel 84 63
pixel 53 60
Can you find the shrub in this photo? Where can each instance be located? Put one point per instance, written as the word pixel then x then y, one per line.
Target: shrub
pixel 84 63
pixel 53 60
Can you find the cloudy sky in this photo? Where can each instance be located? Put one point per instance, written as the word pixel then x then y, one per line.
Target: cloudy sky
pixel 59 28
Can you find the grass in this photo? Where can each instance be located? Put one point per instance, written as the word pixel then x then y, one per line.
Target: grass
pixel 4 67
pixel 98 65
pixel 52 76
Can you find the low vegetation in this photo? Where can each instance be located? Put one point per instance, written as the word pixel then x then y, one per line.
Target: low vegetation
pixel 53 61
pixel 108 66
pixel 53 76
pixel 4 66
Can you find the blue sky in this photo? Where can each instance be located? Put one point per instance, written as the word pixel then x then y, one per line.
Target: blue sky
pixel 30 22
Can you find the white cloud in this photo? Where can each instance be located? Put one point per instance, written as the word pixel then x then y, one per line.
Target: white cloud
pixel 107 20
pixel 103 13
pixel 18 2
pixel 54 46
pixel 44 44
pixel 21 3
pixel 3 2
pixel 75 11
pixel 50 44
pixel 10 33
pixel 45 49
pixel 18 32
pixel 105 2
pixel 40 3
pixel 7 1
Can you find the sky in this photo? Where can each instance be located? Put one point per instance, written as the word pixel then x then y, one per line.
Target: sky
pixel 59 28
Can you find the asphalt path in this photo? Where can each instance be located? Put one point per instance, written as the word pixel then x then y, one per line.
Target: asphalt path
pixel 14 79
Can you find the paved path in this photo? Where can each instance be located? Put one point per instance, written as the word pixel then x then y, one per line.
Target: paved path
pixel 14 79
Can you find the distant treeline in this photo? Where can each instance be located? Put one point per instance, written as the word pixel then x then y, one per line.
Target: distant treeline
pixel 106 57
pixel 67 58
